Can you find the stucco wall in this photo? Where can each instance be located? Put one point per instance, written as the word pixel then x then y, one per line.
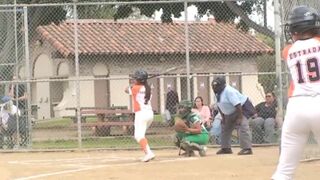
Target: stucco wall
pixel 119 67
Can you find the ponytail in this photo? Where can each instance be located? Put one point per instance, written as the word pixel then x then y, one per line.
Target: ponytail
pixel 148 92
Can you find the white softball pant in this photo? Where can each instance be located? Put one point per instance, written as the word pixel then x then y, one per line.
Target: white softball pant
pixel 142 121
pixel 302 117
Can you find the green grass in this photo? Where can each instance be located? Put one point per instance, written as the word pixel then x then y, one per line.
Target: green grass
pixel 116 142
pixel 158 118
pixel 67 122
pixel 91 142
pixel 53 123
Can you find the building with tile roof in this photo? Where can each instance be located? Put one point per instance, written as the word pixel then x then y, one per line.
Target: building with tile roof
pixel 113 50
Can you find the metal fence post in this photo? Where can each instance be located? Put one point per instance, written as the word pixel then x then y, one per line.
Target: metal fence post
pixel 277 30
pixel 187 48
pixel 76 54
pixel 26 38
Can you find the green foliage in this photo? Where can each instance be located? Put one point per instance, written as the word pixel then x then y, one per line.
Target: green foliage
pixel 267 64
pixel 96 12
pixel 267 40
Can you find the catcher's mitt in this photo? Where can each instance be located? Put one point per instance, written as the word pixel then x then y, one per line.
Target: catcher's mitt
pixel 180 125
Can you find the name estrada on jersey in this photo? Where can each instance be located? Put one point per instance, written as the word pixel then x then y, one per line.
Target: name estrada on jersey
pixel 303 58
pixel 304 52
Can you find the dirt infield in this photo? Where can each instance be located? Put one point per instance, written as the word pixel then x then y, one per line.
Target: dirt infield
pixel 124 165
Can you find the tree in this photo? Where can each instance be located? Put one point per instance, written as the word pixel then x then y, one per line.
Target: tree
pixel 37 16
pixel 266 63
pixel 226 11
pixel 223 12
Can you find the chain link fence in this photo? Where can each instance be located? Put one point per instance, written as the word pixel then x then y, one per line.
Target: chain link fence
pixel 74 60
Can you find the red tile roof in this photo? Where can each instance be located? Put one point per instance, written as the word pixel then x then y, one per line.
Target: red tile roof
pixel 146 37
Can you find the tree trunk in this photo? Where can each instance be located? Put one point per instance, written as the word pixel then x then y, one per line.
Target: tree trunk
pixel 245 18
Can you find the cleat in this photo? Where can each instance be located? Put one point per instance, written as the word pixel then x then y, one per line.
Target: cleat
pixel 148 157
pixel 224 151
pixel 245 152
pixel 203 151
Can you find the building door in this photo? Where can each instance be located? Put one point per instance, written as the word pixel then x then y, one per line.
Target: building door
pixel 184 89
pixel 170 83
pixel 101 93
pixel 43 100
pixel 56 93
pixel 203 87
pixel 235 81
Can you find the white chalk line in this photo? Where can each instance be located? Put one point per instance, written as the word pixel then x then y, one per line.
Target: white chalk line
pixel 73 162
pixel 71 159
pixel 96 166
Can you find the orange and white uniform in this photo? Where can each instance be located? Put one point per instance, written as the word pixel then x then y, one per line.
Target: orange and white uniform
pixel 303 58
pixel 138 94
pixel 143 115
pixel 302 113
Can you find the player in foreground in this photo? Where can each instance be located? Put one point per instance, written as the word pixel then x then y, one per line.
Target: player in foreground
pixel 141 95
pixel 302 114
pixel 191 135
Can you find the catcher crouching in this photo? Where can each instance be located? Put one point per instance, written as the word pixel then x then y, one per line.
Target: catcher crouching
pixel 191 135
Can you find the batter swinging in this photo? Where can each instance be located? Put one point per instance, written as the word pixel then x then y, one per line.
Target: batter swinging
pixel 141 95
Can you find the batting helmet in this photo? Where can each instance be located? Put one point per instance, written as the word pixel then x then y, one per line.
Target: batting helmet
pixel 184 108
pixel 141 75
pixel 300 20
pixel 218 84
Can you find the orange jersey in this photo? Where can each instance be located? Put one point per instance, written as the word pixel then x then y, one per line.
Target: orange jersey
pixel 303 60
pixel 138 93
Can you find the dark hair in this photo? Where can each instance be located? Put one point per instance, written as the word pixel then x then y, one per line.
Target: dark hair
pixel 147 96
pixel 198 97
pixel 272 93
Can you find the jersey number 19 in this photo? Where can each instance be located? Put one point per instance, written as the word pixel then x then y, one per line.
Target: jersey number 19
pixel 312 69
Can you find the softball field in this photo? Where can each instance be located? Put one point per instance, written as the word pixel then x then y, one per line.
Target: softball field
pixel 124 165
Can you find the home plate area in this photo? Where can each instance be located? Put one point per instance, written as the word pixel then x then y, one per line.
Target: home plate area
pixel 45 168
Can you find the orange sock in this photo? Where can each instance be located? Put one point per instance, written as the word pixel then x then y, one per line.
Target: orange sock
pixel 143 144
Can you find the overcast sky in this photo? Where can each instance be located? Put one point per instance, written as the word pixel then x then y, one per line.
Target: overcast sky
pixel 192 12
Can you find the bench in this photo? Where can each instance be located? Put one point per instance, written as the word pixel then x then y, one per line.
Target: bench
pixel 106 118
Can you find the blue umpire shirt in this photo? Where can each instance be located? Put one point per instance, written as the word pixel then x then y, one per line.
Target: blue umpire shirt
pixel 229 98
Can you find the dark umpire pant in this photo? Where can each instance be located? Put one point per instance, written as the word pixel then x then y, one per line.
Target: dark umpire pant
pixel 230 123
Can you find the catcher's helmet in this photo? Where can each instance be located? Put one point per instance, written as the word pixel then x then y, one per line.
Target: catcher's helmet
pixel 300 20
pixel 218 84
pixel 141 75
pixel 184 108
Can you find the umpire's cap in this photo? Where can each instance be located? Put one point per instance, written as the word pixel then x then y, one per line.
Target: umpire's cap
pixel 218 80
pixel 218 84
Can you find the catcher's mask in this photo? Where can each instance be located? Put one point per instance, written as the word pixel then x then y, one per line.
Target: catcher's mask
pixel 218 84
pixel 300 20
pixel 6 103
pixel 140 76
pixel 184 108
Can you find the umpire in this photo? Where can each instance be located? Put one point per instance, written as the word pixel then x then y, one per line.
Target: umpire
pixel 235 108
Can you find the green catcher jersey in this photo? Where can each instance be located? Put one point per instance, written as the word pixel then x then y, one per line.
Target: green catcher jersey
pixel 193 118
